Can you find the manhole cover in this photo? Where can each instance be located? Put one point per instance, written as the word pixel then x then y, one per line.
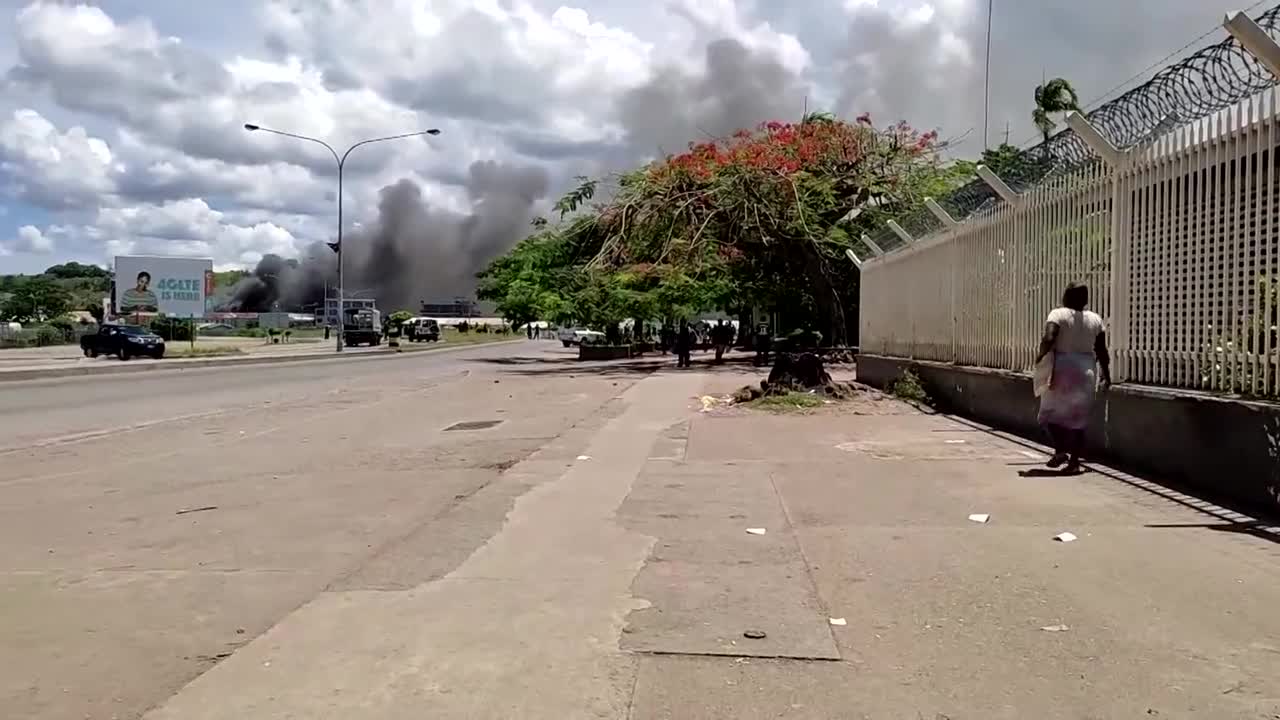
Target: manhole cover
pixel 473 425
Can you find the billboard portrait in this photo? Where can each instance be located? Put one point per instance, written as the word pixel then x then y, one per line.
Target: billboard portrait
pixel 173 286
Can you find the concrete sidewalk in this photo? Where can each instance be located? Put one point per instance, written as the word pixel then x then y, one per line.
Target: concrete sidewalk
pixel 1164 607
pixel 622 584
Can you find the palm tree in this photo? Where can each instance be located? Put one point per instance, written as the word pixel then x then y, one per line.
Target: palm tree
pixel 1055 96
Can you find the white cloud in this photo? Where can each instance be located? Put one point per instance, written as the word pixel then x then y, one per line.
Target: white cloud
pixel 189 227
pixel 30 239
pixel 48 167
pixel 124 131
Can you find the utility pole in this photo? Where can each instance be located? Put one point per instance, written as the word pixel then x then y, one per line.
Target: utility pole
pixel 986 103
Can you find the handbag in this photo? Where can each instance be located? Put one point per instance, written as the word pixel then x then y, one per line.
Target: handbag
pixel 1042 375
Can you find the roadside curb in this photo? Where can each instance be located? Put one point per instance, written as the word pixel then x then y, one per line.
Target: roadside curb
pixel 122 368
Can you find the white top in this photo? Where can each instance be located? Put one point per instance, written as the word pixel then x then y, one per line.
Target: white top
pixel 1077 330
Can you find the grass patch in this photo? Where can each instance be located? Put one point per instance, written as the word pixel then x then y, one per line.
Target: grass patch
pixel 908 387
pixel 198 351
pixel 452 337
pixel 791 402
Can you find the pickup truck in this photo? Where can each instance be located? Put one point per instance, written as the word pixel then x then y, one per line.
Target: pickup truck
pixel 570 336
pixel 123 341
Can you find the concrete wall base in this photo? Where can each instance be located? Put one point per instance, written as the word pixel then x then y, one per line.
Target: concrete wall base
pixel 1222 447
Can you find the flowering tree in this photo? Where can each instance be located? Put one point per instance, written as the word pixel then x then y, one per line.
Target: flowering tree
pixel 762 218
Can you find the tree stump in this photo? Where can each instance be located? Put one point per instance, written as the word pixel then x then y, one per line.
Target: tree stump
pixel 799 372
pixel 795 372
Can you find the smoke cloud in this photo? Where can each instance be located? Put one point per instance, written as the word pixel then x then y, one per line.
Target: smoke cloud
pixel 917 66
pixel 417 252
pixel 737 88
pixel 413 252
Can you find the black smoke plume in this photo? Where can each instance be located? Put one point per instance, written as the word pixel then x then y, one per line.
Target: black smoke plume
pixel 414 252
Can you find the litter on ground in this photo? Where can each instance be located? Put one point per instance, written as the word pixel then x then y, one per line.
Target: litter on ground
pixel 838 622
pixel 584 457
pixel 1055 628
pixel 980 517
pixel 1065 537
pixel 756 531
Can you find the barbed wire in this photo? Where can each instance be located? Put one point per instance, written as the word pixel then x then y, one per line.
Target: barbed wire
pixel 1205 82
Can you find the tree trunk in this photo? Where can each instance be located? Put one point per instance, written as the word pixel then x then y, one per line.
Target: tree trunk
pixel 796 371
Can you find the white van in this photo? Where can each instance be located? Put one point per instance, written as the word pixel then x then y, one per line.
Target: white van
pixel 422 329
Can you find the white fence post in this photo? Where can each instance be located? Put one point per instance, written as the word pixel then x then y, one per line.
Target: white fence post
pixel 940 213
pixel 1002 189
pixel 1255 40
pixel 866 240
pixel 1090 135
pixel 1118 283
pixel 849 253
pixel 897 230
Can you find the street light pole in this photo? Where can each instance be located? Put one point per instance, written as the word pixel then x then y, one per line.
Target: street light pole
pixel 341 160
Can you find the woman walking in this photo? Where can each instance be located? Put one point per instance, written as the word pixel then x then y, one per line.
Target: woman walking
pixel 1077 340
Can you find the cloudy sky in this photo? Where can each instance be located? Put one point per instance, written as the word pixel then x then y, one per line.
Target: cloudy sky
pixel 121 120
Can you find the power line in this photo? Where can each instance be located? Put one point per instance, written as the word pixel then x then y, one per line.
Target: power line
pixel 1166 58
pixel 1093 104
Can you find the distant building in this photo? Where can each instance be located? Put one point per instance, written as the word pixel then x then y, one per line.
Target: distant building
pixel 330 314
pixel 284 320
pixel 457 308
pixel 232 319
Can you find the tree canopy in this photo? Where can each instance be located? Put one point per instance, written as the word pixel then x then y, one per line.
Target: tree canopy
pixel 59 289
pixel 73 269
pixel 1053 97
pixel 36 298
pixel 761 218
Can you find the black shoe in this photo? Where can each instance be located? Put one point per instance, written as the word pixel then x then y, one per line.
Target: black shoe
pixel 1057 460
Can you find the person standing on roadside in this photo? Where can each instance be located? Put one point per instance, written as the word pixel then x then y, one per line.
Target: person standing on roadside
pixel 719 338
pixel 1077 340
pixel 684 344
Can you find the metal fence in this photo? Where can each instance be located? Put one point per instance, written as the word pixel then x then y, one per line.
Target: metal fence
pixel 1177 238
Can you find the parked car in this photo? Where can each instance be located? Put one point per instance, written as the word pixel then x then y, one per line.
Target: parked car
pixel 574 336
pixel 422 329
pixel 123 341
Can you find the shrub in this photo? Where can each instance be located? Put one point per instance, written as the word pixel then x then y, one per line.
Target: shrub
pixel 908 387
pixel 172 329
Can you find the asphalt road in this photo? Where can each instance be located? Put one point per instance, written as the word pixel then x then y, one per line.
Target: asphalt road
pixel 50 410
pixel 118 586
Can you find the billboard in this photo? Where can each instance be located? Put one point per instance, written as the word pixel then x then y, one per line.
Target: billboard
pixel 174 286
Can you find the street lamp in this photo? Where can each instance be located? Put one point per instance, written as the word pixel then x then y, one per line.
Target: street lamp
pixel 342 161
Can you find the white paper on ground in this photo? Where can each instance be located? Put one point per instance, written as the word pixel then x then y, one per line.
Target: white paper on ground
pixel 1065 537
pixel 838 622
pixel 584 457
pixel 957 442
pixel 980 517
pixel 756 531
pixel 1055 628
